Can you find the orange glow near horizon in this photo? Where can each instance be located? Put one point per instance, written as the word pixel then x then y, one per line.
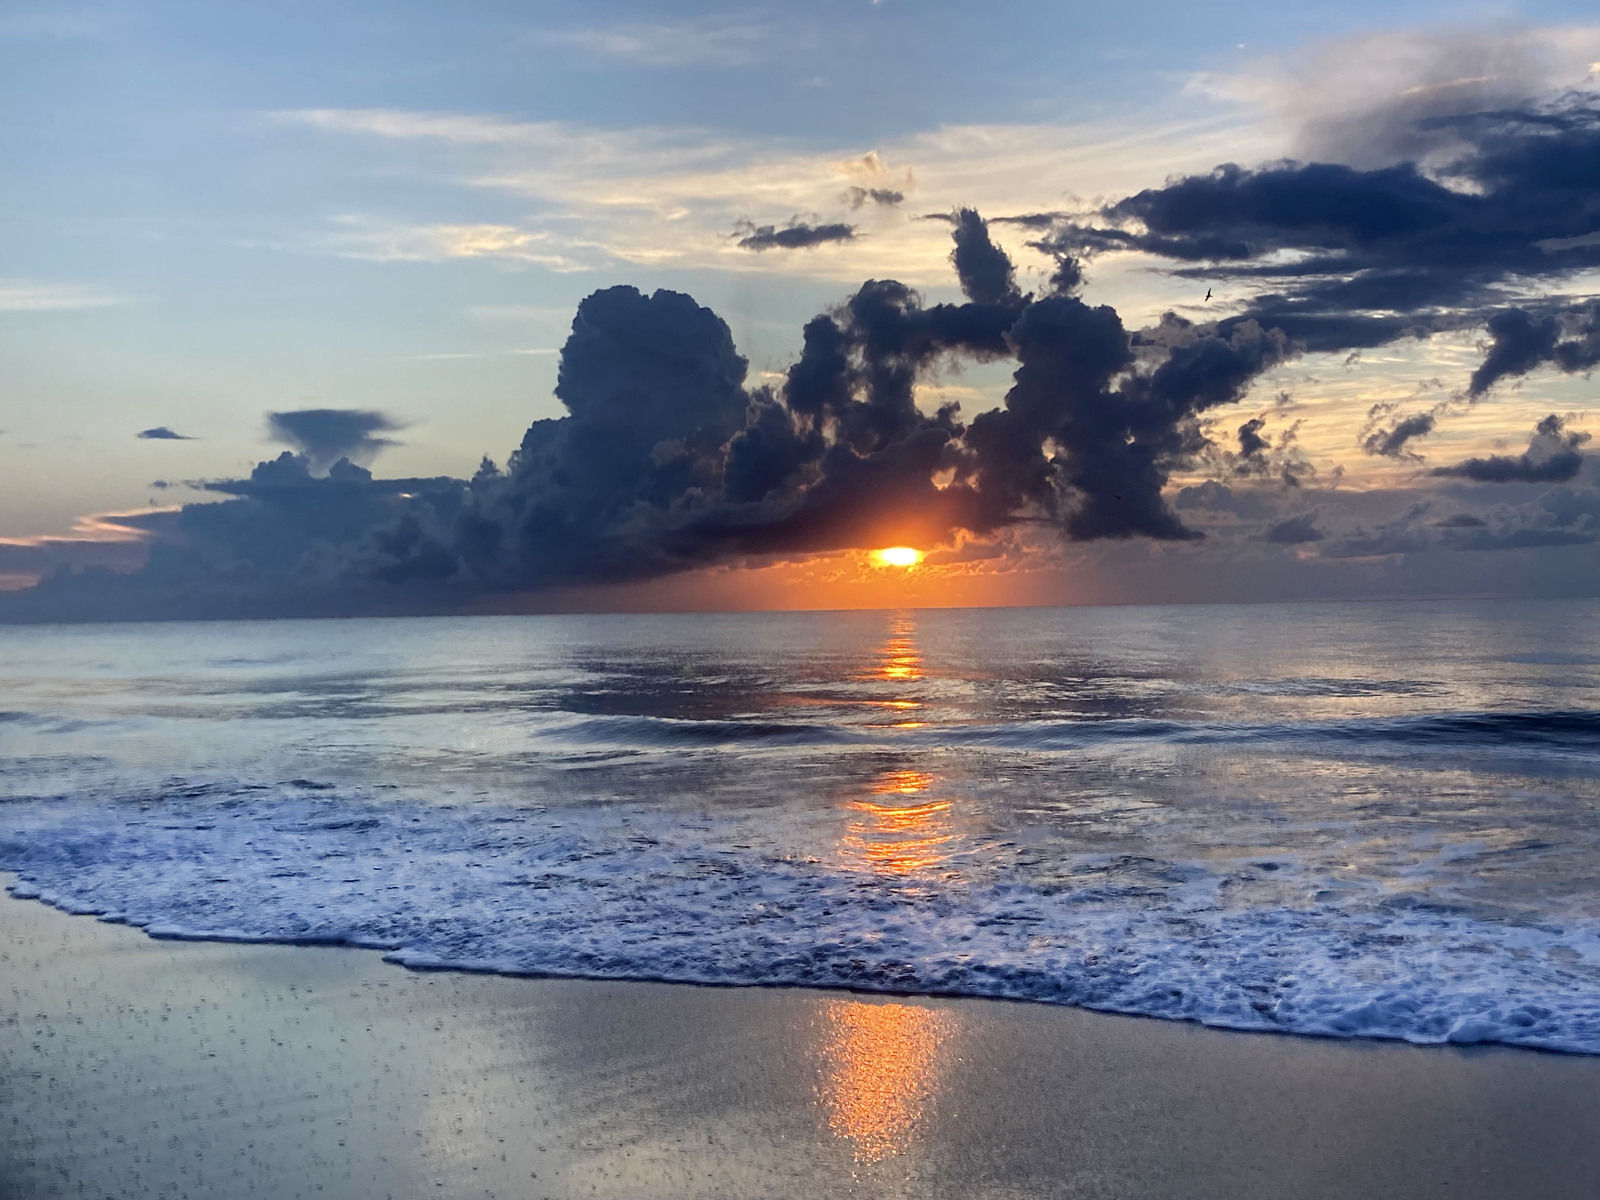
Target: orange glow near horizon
pixel 897 556
pixel 846 580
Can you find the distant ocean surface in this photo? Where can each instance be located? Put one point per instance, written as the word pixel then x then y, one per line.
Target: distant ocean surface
pixel 1362 820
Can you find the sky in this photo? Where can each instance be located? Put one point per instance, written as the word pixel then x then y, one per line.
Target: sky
pixel 379 221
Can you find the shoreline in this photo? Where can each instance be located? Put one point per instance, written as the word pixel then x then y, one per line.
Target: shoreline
pixel 136 1066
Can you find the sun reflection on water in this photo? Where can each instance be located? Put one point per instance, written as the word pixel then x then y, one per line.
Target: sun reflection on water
pixel 897 829
pixel 900 660
pixel 882 1065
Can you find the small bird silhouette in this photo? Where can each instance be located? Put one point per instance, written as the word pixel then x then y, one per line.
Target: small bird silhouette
pixel 1208 293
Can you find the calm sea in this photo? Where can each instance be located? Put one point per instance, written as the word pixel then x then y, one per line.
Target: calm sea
pixel 1345 819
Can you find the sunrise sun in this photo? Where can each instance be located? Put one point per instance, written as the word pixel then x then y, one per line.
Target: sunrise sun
pixel 897 556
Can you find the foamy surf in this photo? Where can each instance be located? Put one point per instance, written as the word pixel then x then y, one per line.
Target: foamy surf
pixel 659 896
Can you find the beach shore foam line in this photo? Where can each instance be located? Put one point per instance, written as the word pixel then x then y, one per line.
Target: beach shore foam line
pixel 610 894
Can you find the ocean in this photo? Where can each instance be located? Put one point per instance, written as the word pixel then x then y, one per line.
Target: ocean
pixel 1347 820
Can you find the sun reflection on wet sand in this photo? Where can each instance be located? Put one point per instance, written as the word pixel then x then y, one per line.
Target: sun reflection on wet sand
pixel 882 1064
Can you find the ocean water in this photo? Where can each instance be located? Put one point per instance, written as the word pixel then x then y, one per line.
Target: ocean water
pixel 1355 820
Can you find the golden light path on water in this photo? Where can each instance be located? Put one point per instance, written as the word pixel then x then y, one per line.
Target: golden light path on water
pixel 882 1060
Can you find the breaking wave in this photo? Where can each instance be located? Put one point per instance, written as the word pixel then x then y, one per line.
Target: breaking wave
pixel 645 895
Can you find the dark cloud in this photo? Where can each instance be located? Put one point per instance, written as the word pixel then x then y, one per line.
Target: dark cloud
pixel 1038 220
pixel 1251 444
pixel 985 271
pixel 1522 340
pixel 1552 456
pixel 797 235
pixel 1337 254
pixel 325 435
pixel 1295 531
pixel 162 434
pixel 883 197
pixel 666 459
pixel 1389 436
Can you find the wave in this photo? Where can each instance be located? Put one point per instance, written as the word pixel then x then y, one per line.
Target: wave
pixel 637 895
pixel 1564 730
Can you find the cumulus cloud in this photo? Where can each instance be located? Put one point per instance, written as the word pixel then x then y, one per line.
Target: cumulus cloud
pixel 162 434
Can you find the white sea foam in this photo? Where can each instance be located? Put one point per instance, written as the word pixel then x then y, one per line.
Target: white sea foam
pixel 646 895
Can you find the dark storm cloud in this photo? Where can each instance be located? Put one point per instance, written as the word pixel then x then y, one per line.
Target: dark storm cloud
pixel 1552 456
pixel 325 435
pixel 162 434
pixel 796 235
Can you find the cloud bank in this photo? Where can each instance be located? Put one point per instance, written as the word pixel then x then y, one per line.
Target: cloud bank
pixel 669 459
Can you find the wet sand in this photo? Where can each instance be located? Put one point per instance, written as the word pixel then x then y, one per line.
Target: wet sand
pixel 132 1068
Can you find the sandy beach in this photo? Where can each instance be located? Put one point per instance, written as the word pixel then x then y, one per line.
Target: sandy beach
pixel 133 1067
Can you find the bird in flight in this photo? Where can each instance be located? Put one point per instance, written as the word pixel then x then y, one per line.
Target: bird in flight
pixel 1208 293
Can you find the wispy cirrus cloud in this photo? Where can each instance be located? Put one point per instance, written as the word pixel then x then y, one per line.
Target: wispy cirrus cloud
pixel 26 295
pixel 379 239
pixel 667 197
pixel 712 41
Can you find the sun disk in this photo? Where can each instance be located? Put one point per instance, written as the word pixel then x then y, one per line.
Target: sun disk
pixel 897 556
